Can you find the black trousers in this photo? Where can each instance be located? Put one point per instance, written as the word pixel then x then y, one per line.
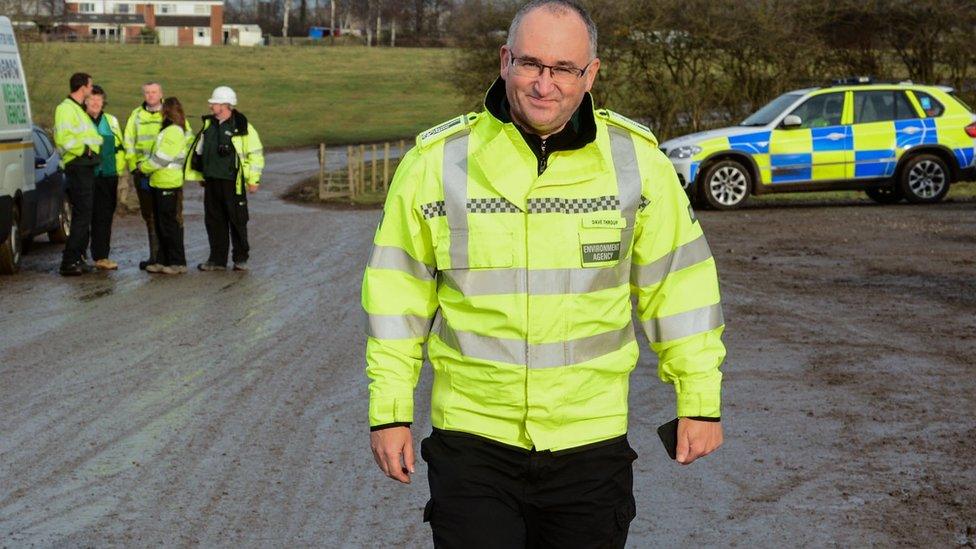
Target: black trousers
pixel 488 495
pixel 105 198
pixel 166 206
pixel 146 209
pixel 81 180
pixel 224 210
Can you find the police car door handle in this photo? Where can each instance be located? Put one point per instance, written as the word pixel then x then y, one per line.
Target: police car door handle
pixel 835 136
pixel 910 130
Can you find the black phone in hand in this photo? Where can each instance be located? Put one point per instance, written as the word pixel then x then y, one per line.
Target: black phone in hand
pixel 669 437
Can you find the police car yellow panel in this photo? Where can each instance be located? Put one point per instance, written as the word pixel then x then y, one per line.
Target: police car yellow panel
pixel 894 141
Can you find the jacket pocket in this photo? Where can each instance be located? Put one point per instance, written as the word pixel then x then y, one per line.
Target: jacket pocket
pixel 474 249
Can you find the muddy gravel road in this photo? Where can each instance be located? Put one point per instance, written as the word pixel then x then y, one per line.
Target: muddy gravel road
pixel 229 409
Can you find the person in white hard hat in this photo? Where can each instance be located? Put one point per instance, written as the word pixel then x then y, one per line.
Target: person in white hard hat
pixel 227 157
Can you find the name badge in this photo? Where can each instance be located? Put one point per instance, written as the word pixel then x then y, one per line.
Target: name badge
pixel 604 222
pixel 600 252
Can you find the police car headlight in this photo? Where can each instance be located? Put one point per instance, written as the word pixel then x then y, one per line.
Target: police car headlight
pixel 686 151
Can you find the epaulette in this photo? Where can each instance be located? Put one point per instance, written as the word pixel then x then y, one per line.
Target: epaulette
pixel 622 121
pixel 446 129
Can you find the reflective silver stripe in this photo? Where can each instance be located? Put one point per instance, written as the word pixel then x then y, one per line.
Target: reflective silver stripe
pixel 684 324
pixel 544 355
pixel 574 351
pixel 683 256
pixel 397 259
pixel 628 176
pixel 159 161
pixel 455 180
pixel 542 281
pixel 397 326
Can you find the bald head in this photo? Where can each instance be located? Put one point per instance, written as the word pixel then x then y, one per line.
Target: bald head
pixel 567 8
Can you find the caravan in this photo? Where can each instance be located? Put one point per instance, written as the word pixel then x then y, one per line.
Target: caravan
pixel 32 185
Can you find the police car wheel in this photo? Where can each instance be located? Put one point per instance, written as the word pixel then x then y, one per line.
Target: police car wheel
pixel 10 248
pixel 725 185
pixel 888 194
pixel 924 179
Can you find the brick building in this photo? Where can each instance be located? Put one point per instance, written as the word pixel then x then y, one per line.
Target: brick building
pixel 177 22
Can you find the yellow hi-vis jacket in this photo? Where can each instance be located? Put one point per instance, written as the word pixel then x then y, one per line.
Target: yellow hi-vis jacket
pixel 520 284
pixel 165 164
pixel 141 130
pixel 73 131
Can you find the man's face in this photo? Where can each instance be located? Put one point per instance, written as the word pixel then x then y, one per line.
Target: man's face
pixel 557 39
pixel 220 110
pixel 153 94
pixel 94 104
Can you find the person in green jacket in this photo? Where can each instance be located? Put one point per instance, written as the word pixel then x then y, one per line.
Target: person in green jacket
pixel 105 190
pixel 165 170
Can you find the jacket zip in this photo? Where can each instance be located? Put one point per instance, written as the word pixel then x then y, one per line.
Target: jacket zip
pixel 543 157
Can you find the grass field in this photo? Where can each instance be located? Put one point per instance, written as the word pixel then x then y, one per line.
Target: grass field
pixel 293 95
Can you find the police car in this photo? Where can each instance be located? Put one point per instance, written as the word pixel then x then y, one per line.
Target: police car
pixel 892 140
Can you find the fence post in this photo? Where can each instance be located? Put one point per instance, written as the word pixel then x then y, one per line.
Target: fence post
pixel 349 172
pixel 321 171
pixel 362 168
pixel 386 166
pixel 375 168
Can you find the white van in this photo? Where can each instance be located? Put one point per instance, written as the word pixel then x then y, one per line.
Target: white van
pixel 16 148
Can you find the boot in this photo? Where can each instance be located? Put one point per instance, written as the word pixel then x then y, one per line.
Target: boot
pixel 153 252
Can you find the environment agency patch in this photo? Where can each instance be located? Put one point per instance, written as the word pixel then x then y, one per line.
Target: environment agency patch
pixel 601 252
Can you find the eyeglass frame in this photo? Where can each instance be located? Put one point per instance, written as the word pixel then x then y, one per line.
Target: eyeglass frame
pixel 543 66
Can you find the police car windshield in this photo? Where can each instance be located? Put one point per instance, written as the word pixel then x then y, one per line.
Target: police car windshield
pixel 772 109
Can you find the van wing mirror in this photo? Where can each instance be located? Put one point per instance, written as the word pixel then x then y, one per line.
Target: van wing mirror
pixel 792 121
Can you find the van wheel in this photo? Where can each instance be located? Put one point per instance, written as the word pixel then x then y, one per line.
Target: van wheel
pixel 889 194
pixel 64 223
pixel 10 249
pixel 725 185
pixel 924 179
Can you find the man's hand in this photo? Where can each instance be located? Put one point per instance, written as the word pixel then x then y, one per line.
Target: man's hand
pixel 393 452
pixel 697 439
pixel 252 189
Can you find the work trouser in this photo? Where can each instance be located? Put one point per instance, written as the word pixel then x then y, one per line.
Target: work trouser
pixel 105 198
pixel 223 210
pixel 145 194
pixel 166 205
pixel 485 494
pixel 81 179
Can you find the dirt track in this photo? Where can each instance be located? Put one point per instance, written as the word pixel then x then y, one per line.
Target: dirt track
pixel 229 409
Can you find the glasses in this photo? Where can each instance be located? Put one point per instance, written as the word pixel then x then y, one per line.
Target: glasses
pixel 560 74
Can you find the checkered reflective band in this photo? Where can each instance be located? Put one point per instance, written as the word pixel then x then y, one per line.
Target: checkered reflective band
pixel 491 205
pixel 433 209
pixel 535 205
pixel 643 203
pixel 573 205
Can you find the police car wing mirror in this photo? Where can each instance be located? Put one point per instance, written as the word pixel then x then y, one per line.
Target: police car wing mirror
pixel 792 121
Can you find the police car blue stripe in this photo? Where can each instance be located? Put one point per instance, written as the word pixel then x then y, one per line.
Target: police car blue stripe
pixel 877 163
pixel 832 138
pixel 752 143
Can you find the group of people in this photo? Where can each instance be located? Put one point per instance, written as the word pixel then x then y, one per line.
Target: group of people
pixel 161 152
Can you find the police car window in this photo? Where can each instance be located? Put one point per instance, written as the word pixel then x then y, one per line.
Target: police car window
pixel 821 110
pixel 929 104
pixel 41 148
pixel 881 106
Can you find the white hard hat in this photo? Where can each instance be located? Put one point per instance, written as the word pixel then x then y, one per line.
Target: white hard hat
pixel 223 94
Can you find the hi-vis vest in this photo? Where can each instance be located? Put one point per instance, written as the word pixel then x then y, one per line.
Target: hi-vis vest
pixel 520 284
pixel 165 164
pixel 141 130
pixel 73 131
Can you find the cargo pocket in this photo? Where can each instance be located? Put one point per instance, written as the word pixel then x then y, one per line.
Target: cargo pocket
pixel 474 250
pixel 428 510
pixel 625 515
